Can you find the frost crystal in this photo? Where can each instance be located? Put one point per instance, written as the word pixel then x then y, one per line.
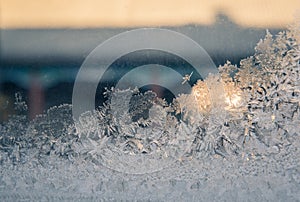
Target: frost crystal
pixel 240 124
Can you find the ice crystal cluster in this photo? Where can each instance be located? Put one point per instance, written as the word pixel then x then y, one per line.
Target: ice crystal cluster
pixel 257 101
pixel 236 136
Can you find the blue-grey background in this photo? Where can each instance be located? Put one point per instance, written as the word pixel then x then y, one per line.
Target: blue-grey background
pixel 42 64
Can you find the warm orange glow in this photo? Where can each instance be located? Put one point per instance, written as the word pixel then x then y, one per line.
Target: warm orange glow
pixel 122 13
pixel 233 100
pixel 233 97
pixel 202 97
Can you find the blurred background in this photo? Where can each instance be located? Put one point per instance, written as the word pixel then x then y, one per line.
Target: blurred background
pixel 43 43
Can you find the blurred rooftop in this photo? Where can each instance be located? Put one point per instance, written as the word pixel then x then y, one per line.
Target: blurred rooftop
pixel 43 43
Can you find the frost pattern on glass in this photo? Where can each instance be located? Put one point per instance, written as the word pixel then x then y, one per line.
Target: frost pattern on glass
pixel 236 135
pixel 139 134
